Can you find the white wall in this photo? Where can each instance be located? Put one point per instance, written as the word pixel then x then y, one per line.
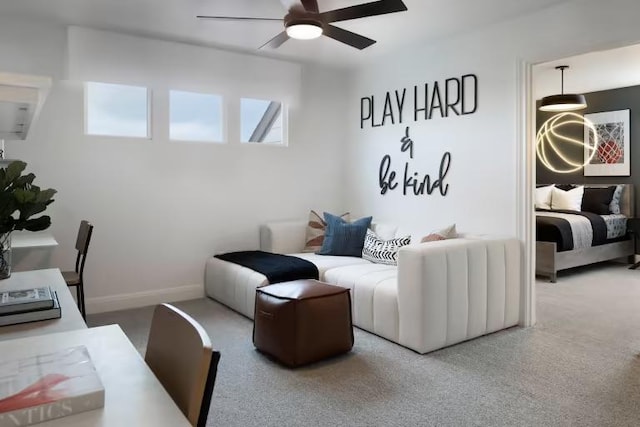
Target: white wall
pixel 483 175
pixel 161 208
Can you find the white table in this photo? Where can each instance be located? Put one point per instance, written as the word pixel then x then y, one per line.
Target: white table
pixel 71 318
pixel 133 395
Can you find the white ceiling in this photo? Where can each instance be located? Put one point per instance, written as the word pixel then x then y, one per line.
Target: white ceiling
pixel 426 20
pixel 591 72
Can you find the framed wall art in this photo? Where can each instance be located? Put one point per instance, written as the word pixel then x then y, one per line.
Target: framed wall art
pixel 612 157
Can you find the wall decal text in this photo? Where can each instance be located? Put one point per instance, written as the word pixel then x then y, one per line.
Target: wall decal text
pixel 456 96
pixel 412 182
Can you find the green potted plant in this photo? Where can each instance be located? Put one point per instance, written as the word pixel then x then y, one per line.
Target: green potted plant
pixel 20 200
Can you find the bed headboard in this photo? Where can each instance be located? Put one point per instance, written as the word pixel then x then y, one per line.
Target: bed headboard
pixel 627 199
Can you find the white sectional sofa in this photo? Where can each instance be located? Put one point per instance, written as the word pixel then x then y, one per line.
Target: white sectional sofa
pixel 441 293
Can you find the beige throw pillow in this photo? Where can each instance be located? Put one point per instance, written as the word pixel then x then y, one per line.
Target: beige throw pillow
pixel 316 227
pixel 444 234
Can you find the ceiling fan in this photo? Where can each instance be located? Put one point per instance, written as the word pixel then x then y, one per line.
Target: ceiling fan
pixel 304 21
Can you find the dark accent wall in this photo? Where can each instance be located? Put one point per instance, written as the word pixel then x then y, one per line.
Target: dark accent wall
pixel 607 100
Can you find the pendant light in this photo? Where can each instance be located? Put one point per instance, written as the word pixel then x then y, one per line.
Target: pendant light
pixel 563 102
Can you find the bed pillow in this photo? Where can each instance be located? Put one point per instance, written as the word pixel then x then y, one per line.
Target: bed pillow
pixel 597 200
pixel 565 187
pixel 316 228
pixel 344 238
pixel 614 206
pixel 567 200
pixel 444 234
pixel 380 251
pixel 543 197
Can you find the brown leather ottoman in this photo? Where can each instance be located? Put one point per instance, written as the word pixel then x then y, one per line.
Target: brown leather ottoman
pixel 302 321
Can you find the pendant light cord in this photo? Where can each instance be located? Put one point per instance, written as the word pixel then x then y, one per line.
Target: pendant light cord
pixel 562 68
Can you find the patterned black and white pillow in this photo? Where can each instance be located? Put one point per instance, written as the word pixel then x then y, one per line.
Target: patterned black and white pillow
pixel 381 251
pixel 614 206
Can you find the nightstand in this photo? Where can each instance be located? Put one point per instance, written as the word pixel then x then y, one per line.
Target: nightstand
pixel 633 226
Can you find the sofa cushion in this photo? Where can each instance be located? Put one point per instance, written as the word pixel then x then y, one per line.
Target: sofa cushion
pixel 327 262
pixel 344 238
pixel 316 229
pixel 374 294
pixel 383 251
pixel 349 276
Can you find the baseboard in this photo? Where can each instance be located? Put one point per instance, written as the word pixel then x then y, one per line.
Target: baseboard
pixel 142 299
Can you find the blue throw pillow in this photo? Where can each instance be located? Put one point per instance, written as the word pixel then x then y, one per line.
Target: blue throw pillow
pixel 344 238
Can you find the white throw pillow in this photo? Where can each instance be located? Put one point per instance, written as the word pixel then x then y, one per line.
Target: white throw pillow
pixel 567 200
pixel 543 197
pixel 382 251
pixel 384 231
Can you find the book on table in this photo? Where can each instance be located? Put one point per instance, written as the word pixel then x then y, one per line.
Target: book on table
pixel 25 300
pixel 54 312
pixel 48 386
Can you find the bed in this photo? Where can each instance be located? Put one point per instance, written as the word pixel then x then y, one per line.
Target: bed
pixel 567 239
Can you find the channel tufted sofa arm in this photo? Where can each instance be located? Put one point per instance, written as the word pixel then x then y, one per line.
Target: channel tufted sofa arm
pixel 455 290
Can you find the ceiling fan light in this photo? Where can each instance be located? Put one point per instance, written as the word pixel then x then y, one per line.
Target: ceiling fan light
pixel 565 102
pixel 304 30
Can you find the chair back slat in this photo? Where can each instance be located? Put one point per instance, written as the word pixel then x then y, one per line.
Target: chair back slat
pixel 84 237
pixel 180 355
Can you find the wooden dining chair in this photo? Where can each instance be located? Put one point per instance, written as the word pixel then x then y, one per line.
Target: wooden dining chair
pixel 180 355
pixel 74 278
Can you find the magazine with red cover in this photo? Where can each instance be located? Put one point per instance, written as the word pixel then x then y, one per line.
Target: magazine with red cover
pixel 44 387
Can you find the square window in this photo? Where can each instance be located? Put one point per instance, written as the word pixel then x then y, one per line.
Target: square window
pixel 116 110
pixel 261 121
pixel 195 117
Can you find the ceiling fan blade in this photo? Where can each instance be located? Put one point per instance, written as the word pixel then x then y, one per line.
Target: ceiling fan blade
pixel 276 42
pixel 380 7
pixel 310 5
pixel 347 37
pixel 237 18
pixel 293 5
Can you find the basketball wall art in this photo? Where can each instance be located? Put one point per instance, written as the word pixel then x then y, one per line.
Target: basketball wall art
pixel 612 157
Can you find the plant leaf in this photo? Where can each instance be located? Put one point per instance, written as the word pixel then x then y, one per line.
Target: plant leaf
pixel 24 196
pixel 37 224
pixel 14 170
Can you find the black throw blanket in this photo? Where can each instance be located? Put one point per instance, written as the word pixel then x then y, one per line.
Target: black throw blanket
pixel 278 268
pixel 558 230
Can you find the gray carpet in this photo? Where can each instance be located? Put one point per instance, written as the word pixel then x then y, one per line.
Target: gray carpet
pixel 579 366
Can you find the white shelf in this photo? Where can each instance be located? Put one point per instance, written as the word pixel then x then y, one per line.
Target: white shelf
pixel 32 240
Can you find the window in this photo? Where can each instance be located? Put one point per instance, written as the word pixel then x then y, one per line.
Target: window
pixel 195 117
pixel 261 121
pixel 117 110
